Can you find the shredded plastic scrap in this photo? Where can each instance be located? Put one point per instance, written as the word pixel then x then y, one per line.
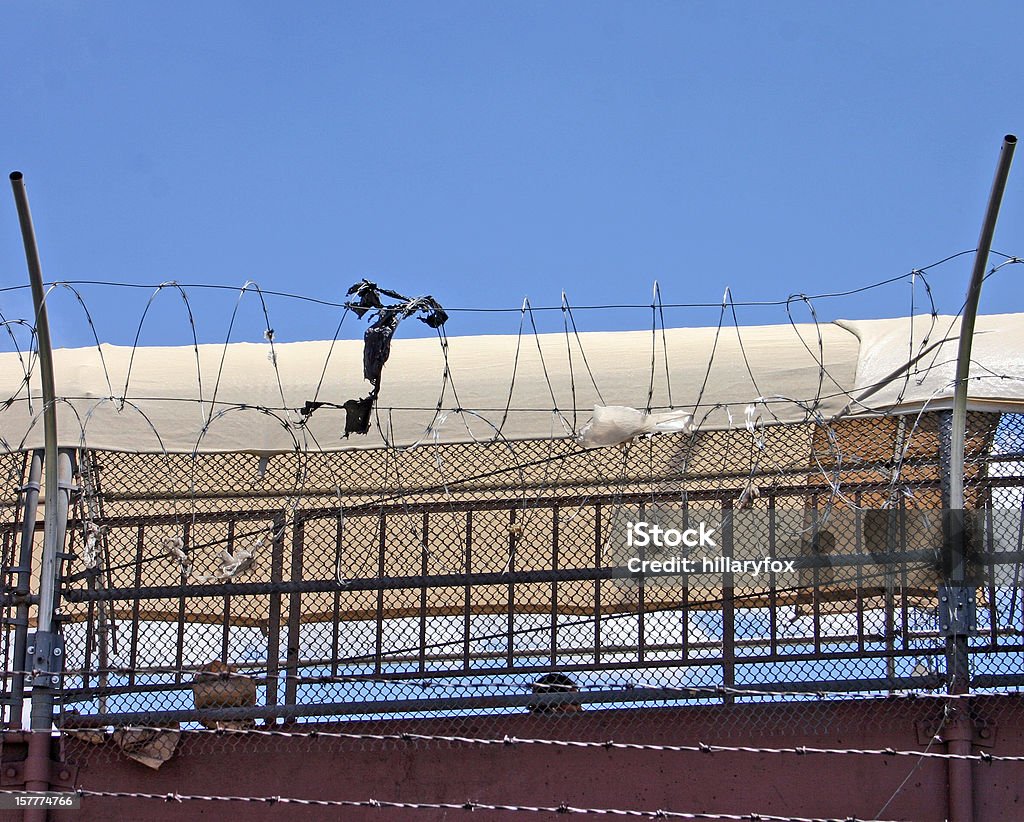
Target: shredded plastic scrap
pixel 619 424
pixel 366 299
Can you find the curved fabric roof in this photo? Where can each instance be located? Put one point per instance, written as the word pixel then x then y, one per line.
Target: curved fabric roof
pixel 235 399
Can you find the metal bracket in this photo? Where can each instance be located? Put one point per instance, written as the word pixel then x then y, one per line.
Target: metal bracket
pixel 63 775
pixel 957 611
pixel 45 658
pixel 983 732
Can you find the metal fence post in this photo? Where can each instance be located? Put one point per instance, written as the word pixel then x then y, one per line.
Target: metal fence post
pixel 956 597
pixel 45 653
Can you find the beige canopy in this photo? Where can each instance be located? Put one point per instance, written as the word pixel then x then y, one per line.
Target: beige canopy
pixel 248 397
pixel 533 504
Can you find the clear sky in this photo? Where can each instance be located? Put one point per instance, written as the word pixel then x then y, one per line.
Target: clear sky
pixel 485 151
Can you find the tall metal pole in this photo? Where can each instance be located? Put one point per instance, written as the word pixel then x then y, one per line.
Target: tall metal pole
pixel 963 357
pixel 956 597
pixel 48 567
pixel 955 600
pixel 45 650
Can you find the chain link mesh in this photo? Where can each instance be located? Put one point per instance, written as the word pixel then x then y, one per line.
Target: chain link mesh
pixel 467 583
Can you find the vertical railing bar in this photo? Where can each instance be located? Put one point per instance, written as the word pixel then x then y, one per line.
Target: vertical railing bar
pixel 13 690
pixel 97 627
pixel 892 544
pixel 904 607
pixel 294 614
pixel 378 653
pixel 179 650
pixel 773 595
pixel 9 542
pixel 858 536
pixel 728 606
pixel 641 651
pixel 101 622
pixel 225 636
pixel 133 651
pixel 467 595
pixel 109 615
pixel 1016 591
pixel 90 618
pixel 225 631
pixel 989 548
pixel 335 631
pixel 511 622
pixel 336 603
pixel 274 613
pixel 424 550
pixel 903 531
pixel 21 586
pixel 555 533
pixel 597 583
pixel 815 577
pixel 685 604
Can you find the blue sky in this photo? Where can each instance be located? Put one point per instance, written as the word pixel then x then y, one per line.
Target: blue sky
pixel 482 152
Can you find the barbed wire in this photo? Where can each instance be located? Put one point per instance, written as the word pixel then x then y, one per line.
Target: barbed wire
pixel 469 805
pixel 657 306
pixel 511 741
pixel 514 310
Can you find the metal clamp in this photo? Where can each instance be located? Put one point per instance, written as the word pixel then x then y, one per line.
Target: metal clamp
pixel 957 611
pixel 45 658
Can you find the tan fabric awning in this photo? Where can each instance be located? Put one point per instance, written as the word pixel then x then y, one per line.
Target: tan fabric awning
pixel 235 400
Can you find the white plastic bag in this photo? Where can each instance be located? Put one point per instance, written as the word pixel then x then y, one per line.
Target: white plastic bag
pixel 617 424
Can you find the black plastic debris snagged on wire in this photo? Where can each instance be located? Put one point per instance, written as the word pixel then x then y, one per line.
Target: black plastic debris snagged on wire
pixel 365 298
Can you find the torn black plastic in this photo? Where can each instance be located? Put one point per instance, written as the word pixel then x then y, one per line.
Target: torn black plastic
pixel 366 298
pixel 377 344
pixel 357 414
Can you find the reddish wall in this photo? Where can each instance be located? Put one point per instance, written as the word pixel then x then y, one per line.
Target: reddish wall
pixel 781 784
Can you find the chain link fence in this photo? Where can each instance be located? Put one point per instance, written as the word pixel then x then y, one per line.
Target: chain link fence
pixel 463 584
